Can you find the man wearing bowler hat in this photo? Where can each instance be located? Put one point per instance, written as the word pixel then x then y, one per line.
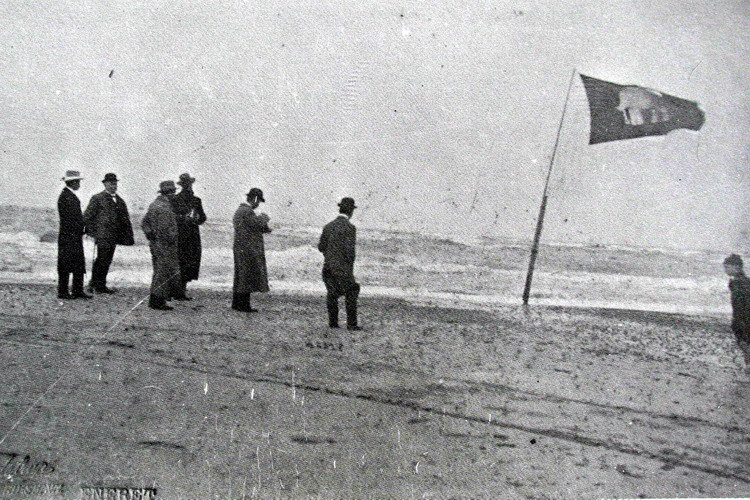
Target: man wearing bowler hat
pixel 338 243
pixel 160 227
pixel 188 209
pixel 70 257
pixel 250 272
pixel 108 222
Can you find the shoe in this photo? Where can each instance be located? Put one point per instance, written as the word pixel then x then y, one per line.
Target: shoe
pixel 161 307
pixel 105 290
pixel 65 296
pixel 354 328
pixel 253 310
pixel 183 297
pixel 81 295
pixel 240 309
pixel 333 326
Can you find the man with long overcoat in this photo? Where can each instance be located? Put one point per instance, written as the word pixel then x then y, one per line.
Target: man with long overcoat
pixel 108 222
pixel 250 273
pixel 70 256
pixel 160 227
pixel 188 209
pixel 337 242
pixel 739 288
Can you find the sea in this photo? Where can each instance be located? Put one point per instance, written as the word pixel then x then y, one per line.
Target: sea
pixel 421 268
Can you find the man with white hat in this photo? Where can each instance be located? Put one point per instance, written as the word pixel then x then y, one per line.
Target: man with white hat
pixel 160 227
pixel 70 257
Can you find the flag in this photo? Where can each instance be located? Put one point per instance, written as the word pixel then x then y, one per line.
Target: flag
pixel 628 111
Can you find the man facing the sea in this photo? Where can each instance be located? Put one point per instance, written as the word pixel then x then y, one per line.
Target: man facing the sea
pixel 739 288
pixel 160 227
pixel 337 242
pixel 108 222
pixel 250 272
pixel 188 209
pixel 70 256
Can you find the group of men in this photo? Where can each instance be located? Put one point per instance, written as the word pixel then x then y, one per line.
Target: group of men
pixel 107 220
pixel 171 226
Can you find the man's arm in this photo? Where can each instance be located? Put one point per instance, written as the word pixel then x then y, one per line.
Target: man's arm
pixel 90 215
pixel 323 243
pixel 199 212
pixel 351 243
pixel 146 226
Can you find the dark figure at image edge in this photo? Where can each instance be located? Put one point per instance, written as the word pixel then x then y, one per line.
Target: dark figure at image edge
pixel 338 242
pixel 250 271
pixel 108 222
pixel 160 227
pixel 188 210
pixel 739 288
pixel 70 256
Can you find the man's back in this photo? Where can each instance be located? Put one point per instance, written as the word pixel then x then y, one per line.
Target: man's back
pixel 337 242
pixel 160 224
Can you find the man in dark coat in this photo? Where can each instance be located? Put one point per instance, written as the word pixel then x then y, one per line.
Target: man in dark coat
pixel 250 272
pixel 739 288
pixel 70 257
pixel 160 227
pixel 188 209
pixel 108 222
pixel 338 246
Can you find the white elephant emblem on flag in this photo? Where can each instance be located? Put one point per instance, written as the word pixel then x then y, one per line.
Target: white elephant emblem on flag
pixel 641 106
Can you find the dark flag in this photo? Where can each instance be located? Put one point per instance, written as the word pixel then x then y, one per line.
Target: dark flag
pixel 628 111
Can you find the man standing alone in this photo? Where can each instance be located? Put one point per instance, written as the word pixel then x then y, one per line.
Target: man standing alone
pixel 188 209
pixel 739 288
pixel 70 257
pixel 338 243
pixel 108 222
pixel 160 227
pixel 250 272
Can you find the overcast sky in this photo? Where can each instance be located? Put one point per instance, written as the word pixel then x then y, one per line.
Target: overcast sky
pixel 436 116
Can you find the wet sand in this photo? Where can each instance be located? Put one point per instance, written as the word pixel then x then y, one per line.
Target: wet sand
pixel 204 402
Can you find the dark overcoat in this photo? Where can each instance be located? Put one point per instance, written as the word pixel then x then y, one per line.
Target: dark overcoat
pixel 108 222
pixel 739 288
pixel 250 272
pixel 338 242
pixel 188 209
pixel 160 227
pixel 70 257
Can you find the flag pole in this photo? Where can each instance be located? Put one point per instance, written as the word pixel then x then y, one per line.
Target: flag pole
pixel 543 207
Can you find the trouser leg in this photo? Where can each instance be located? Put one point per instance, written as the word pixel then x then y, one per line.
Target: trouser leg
pixel 351 306
pixel 62 282
pixel 332 304
pixel 179 288
pixel 745 348
pixel 241 302
pixel 77 283
pixel 100 269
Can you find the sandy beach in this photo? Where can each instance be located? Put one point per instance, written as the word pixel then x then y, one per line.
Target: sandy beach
pixel 204 402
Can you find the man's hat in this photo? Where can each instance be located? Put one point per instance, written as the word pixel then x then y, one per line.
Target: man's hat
pixel 733 260
pixel 185 179
pixel 257 192
pixel 347 202
pixel 72 175
pixel 167 186
pixel 110 177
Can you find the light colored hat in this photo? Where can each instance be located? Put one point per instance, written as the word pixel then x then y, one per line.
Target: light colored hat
pixel 72 175
pixel 167 187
